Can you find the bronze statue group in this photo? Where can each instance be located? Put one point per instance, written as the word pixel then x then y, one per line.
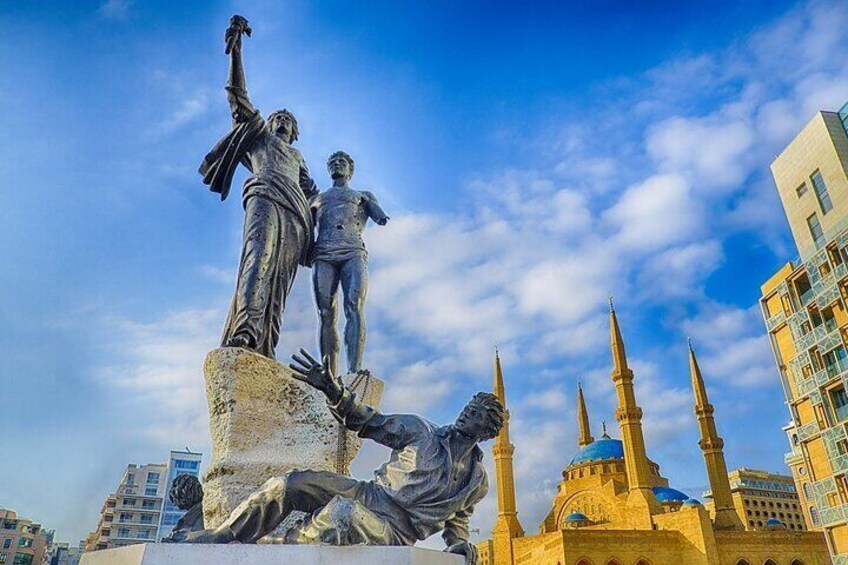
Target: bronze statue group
pixel 435 475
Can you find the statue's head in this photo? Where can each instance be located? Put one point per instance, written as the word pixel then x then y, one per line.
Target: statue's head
pixel 482 418
pixel 340 165
pixel 186 491
pixel 284 124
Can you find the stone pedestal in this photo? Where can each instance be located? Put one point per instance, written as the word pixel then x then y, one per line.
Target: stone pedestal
pixel 176 554
pixel 264 422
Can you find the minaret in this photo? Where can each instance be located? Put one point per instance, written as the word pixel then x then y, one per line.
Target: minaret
pixel 641 502
pixel 712 445
pixel 583 419
pixel 507 526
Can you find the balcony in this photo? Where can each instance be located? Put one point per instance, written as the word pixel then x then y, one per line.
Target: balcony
pixel 807 297
pixel 807 431
pixel 775 321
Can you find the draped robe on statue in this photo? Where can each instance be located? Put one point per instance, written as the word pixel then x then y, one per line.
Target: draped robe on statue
pixel 278 226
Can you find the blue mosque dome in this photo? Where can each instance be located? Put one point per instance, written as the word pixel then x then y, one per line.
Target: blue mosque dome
pixel 666 494
pixel 600 450
pixel 576 517
pixel 774 523
pixel 692 502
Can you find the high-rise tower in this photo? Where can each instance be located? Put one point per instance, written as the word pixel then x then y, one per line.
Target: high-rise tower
pixel 507 527
pixel 713 447
pixel 804 307
pixel 641 500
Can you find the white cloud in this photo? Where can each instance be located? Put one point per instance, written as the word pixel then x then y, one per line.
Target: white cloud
pixel 732 346
pixel 678 273
pixel 188 109
pixel 655 213
pixel 712 152
pixel 160 374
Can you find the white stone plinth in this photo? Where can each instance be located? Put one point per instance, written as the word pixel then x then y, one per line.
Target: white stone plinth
pixel 264 423
pixel 177 554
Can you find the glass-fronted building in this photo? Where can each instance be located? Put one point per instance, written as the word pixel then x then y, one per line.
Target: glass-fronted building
pixel 804 307
pixel 180 463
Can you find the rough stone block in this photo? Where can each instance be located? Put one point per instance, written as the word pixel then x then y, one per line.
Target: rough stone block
pixel 172 554
pixel 264 422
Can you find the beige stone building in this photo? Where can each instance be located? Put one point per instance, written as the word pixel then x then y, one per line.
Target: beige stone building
pixel 132 513
pixel 21 541
pixel 760 497
pixel 804 307
pixel 614 506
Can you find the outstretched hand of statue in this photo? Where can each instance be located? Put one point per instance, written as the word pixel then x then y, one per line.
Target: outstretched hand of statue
pixel 238 26
pixel 317 375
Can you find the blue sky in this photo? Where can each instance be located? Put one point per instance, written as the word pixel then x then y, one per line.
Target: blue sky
pixel 533 159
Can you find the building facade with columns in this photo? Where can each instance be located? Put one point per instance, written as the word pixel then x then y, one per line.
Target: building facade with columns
pixel 760 497
pixel 614 506
pixel 804 308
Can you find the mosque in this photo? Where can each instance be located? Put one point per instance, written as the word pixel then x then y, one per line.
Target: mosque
pixel 614 507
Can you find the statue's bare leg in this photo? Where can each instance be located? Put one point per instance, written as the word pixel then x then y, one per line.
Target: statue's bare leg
pixel 325 283
pixel 354 275
pixel 265 509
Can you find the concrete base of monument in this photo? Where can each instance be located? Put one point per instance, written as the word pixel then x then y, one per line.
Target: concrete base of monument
pixel 177 554
pixel 264 422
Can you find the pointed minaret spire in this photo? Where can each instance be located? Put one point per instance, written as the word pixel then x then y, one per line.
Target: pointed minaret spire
pixel 507 525
pixel 640 500
pixel 583 419
pixel 606 435
pixel 713 447
pixel 619 357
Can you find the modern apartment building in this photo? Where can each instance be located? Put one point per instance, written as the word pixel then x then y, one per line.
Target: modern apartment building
pixel 804 307
pixel 139 511
pixel 132 513
pixel 760 498
pixel 179 463
pixel 21 541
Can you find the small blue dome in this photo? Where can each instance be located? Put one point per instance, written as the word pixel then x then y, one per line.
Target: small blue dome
pixel 773 522
pixel 576 517
pixel 692 502
pixel 666 494
pixel 600 450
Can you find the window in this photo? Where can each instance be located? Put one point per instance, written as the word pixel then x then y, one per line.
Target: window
pixel 130 479
pixel 183 464
pixel 148 503
pixel 129 502
pixel 816 230
pixel 22 559
pixel 834 360
pixel 842 446
pixel 124 533
pixel 146 519
pixel 143 535
pixel 7 543
pixel 839 400
pixel 821 192
pixel 150 491
pixel 814 515
pixel 3 557
pixel 25 542
pixel 125 517
pixel 801 190
pixel 808 491
pixel 152 478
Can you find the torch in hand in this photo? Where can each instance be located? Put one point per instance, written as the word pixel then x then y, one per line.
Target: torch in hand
pixel 238 26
